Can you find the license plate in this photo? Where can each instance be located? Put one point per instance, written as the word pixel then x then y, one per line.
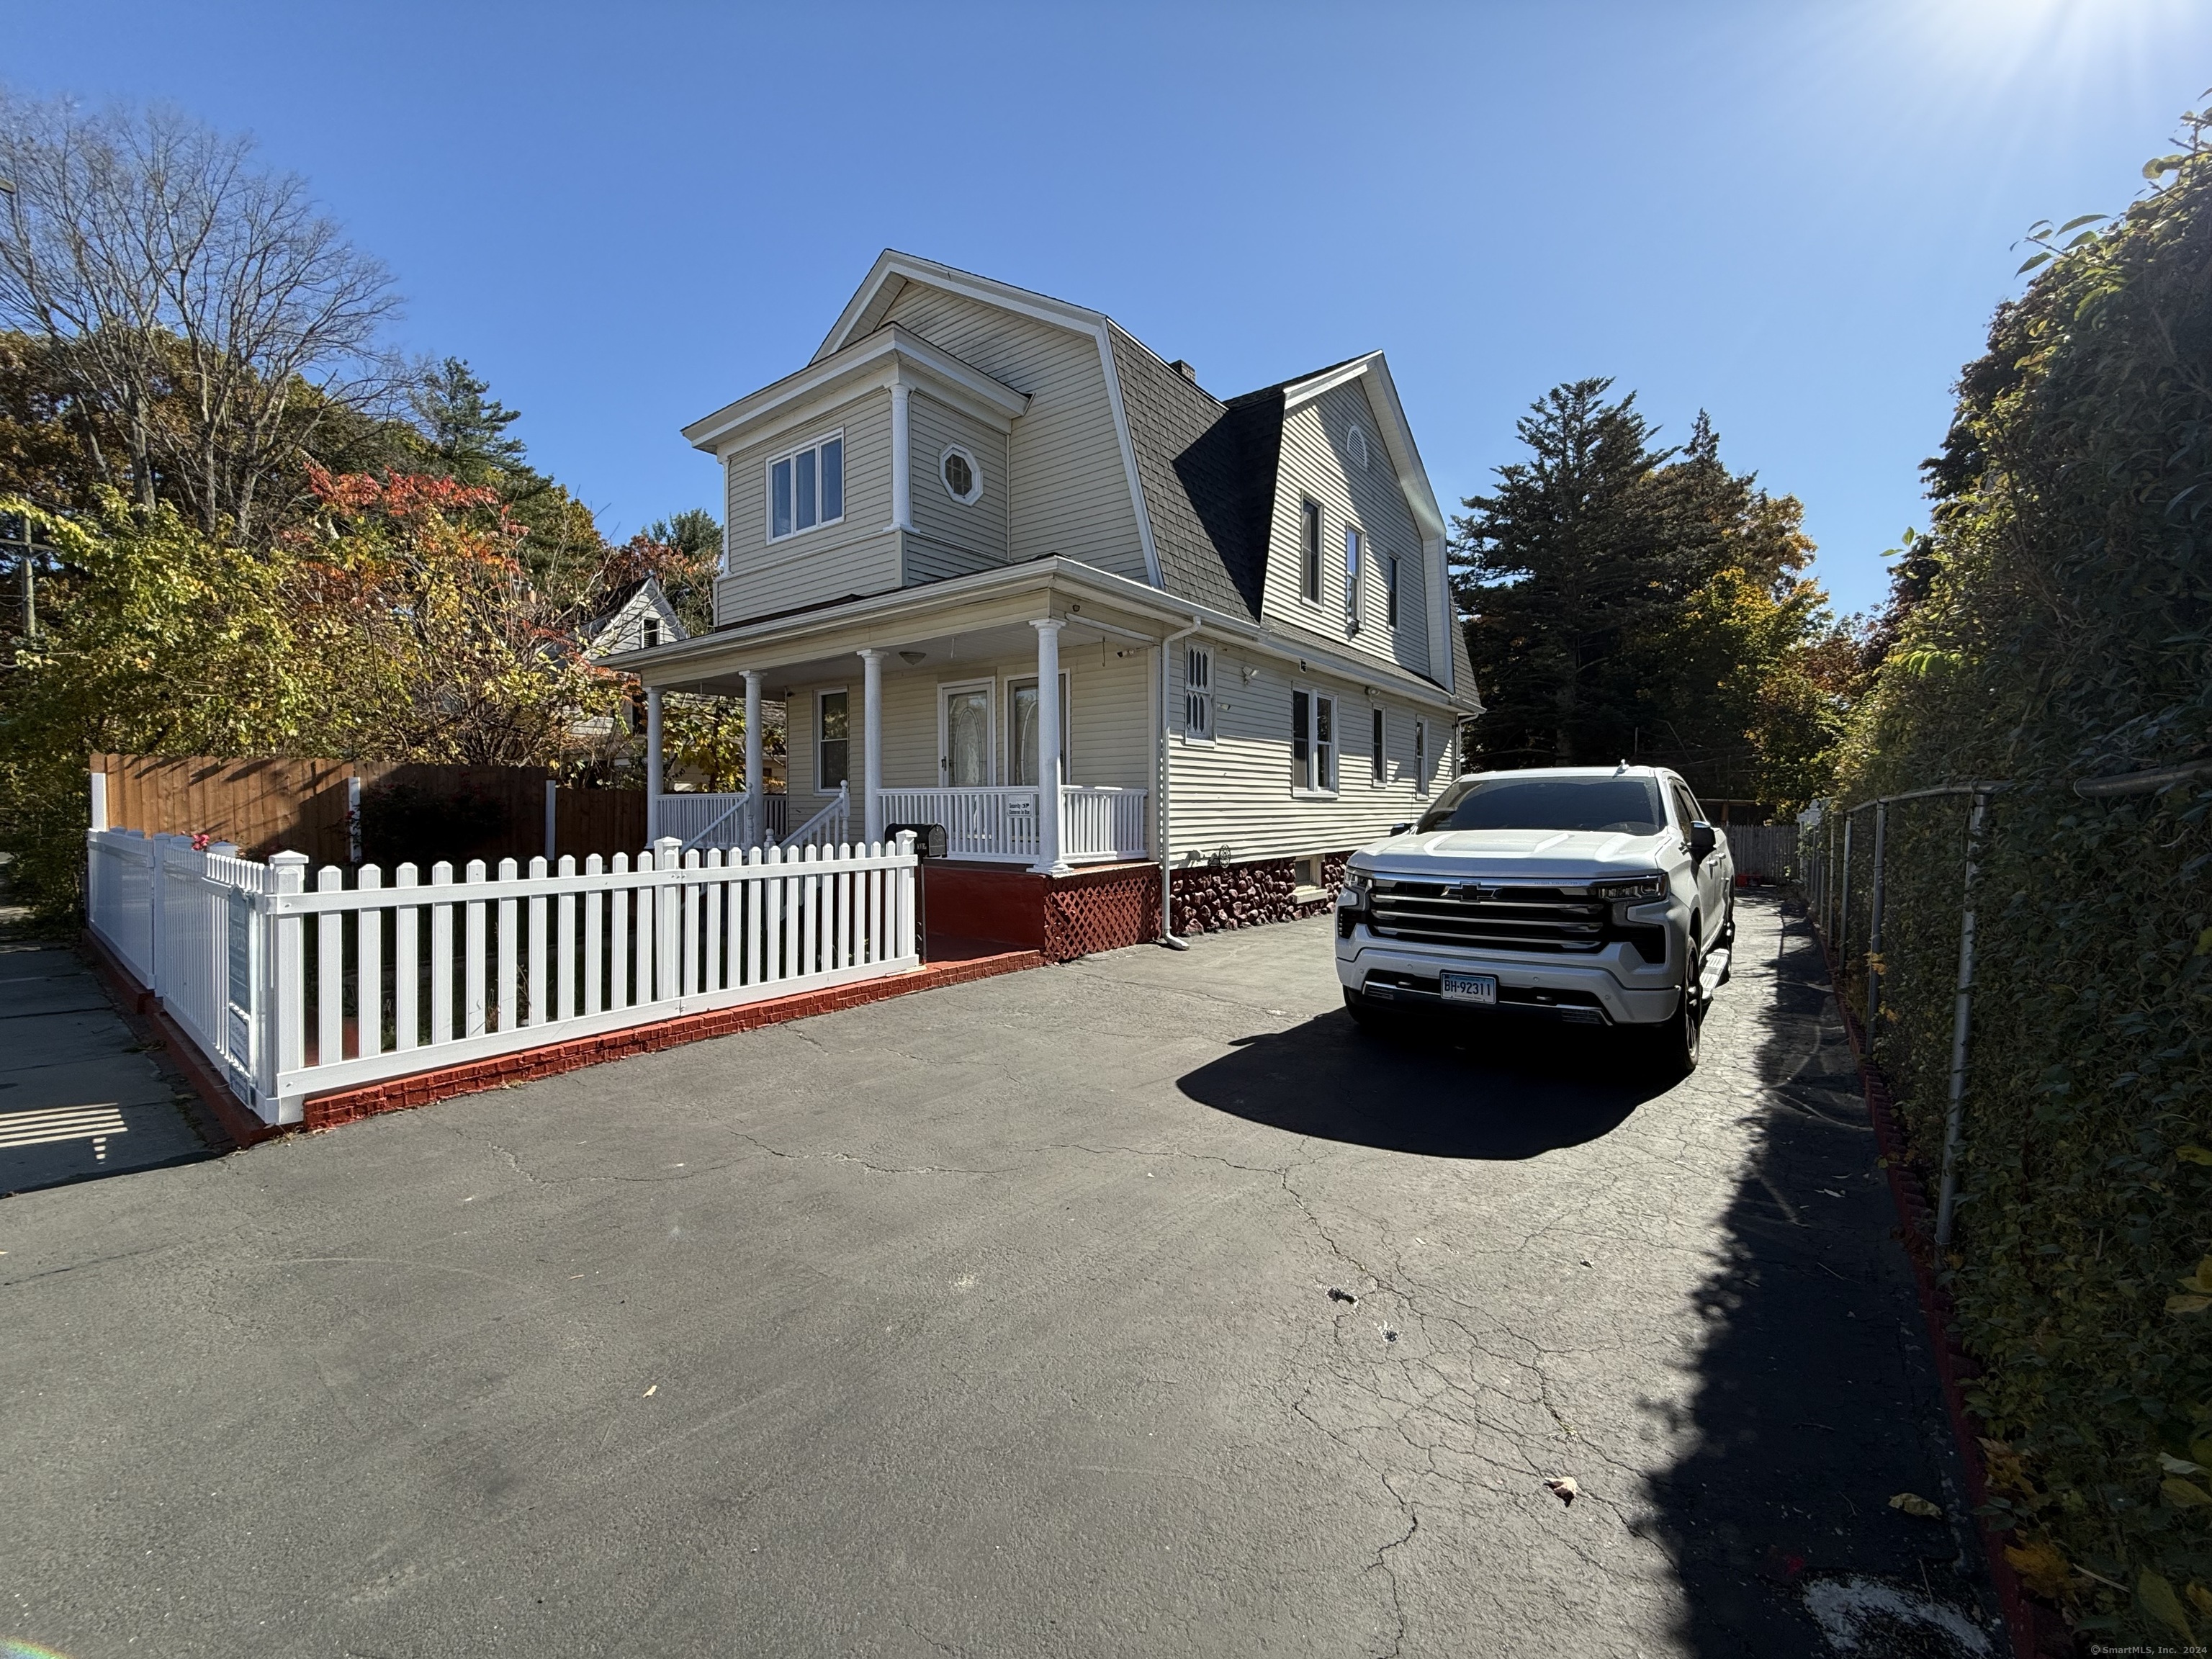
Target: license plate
pixel 1471 988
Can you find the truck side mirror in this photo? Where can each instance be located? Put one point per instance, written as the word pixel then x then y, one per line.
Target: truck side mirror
pixel 1400 829
pixel 1702 842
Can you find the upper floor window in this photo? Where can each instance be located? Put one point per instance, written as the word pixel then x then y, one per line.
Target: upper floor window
pixel 1309 565
pixel 1390 590
pixel 652 632
pixel 963 479
pixel 1313 741
pixel 1350 580
pixel 806 488
pixel 1198 694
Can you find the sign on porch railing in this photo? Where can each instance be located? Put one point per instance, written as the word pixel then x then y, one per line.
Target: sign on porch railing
pixel 291 990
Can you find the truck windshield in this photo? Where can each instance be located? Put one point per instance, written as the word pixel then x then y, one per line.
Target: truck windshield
pixel 1628 806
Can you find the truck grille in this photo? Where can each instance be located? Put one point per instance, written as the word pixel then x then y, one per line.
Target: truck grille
pixel 1487 917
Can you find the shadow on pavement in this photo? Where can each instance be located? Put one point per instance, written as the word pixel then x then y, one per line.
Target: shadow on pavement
pixel 1815 1399
pixel 1500 1090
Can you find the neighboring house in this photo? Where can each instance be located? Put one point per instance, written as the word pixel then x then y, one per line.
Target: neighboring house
pixel 635 616
pixel 972 491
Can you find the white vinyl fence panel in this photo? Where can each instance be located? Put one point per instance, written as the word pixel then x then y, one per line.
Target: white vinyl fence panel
pixel 294 989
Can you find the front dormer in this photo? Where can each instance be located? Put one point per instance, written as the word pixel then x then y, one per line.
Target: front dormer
pixel 879 465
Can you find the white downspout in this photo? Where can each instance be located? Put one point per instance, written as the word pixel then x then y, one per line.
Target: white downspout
pixel 1167 869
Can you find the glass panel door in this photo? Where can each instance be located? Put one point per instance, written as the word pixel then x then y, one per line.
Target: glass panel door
pixel 966 759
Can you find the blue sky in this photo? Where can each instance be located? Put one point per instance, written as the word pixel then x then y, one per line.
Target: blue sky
pixel 1796 217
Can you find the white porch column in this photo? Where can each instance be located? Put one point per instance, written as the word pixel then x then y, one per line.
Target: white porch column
pixel 902 462
pixel 1049 778
pixel 872 744
pixel 652 761
pixel 756 785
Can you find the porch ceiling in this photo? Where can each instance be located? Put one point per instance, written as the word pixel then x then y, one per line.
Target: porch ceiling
pixel 937 655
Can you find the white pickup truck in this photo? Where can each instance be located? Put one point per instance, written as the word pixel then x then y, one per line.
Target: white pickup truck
pixel 1589 896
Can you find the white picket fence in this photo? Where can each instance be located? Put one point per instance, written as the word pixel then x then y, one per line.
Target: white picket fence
pixel 291 989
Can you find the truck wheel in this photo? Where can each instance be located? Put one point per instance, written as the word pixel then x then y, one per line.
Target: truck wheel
pixel 1674 1042
pixel 1367 1016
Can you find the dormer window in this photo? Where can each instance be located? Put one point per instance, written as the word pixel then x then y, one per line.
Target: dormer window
pixel 806 488
pixel 652 632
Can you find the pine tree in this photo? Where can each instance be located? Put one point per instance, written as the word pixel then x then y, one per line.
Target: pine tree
pixel 465 431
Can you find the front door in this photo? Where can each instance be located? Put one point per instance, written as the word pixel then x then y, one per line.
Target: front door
pixel 966 762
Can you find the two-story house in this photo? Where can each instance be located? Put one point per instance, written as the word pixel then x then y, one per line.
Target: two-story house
pixel 1011 573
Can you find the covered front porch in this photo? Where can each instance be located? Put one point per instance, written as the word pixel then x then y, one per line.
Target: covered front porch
pixel 932 714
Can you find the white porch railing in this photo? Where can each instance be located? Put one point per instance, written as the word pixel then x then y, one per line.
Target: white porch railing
pixel 700 820
pixel 827 828
pixel 1104 825
pixel 387 981
pixel 998 825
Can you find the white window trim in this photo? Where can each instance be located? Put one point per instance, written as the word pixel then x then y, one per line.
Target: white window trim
pixel 1304 788
pixel 990 689
pixel 1007 682
pixel 820 692
pixel 1355 578
pixel 1211 704
pixel 974 473
pixel 1316 598
pixel 768 488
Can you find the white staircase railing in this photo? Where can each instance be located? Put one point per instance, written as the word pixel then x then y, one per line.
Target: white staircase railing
pixel 827 827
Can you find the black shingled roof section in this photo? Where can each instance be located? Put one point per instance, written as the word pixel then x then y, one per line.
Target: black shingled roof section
pixel 1208 473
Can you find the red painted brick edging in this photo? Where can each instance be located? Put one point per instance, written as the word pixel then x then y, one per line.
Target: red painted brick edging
pixel 399 1094
pixel 2038 1632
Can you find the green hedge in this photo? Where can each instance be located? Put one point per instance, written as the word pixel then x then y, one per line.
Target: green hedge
pixel 2066 637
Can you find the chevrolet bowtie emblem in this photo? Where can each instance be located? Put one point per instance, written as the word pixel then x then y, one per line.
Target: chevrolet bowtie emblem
pixel 1475 893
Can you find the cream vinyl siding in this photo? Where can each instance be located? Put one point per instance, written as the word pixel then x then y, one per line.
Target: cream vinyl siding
pixel 978 527
pixel 1317 466
pixel 855 555
pixel 1070 490
pixel 1232 798
pixel 1109 736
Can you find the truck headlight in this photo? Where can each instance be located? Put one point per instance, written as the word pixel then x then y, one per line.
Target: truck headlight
pixel 1633 887
pixel 1353 895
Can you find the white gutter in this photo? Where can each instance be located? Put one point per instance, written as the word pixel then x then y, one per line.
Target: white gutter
pixel 1167 866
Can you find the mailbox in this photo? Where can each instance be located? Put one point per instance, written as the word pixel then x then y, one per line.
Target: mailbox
pixel 928 838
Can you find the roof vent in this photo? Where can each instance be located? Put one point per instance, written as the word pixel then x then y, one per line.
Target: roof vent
pixel 1185 370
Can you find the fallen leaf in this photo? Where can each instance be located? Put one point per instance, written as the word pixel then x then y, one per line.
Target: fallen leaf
pixel 2193 1154
pixel 2161 1603
pixel 1565 1489
pixel 2174 1465
pixel 2202 1283
pixel 1913 1504
pixel 2188 1304
pixel 2040 1566
pixel 650 1392
pixel 2185 1494
pixel 2202 1597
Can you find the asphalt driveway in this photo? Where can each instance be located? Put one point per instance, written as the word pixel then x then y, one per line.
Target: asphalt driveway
pixel 1140 1306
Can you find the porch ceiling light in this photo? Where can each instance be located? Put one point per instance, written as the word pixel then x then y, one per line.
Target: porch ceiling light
pixel 911 658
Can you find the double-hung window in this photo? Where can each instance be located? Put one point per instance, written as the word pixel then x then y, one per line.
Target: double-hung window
pixel 1390 591
pixel 1350 580
pixel 1313 741
pixel 1198 694
pixel 833 740
pixel 1420 757
pixel 806 488
pixel 1309 562
pixel 1379 764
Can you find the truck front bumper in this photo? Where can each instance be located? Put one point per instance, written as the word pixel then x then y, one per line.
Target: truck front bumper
pixel 1388 975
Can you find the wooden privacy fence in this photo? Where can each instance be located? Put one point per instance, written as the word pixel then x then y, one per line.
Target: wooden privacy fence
pixel 1766 852
pixel 291 987
pixel 341 812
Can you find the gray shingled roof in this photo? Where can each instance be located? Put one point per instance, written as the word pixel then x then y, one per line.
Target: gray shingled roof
pixel 1208 473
